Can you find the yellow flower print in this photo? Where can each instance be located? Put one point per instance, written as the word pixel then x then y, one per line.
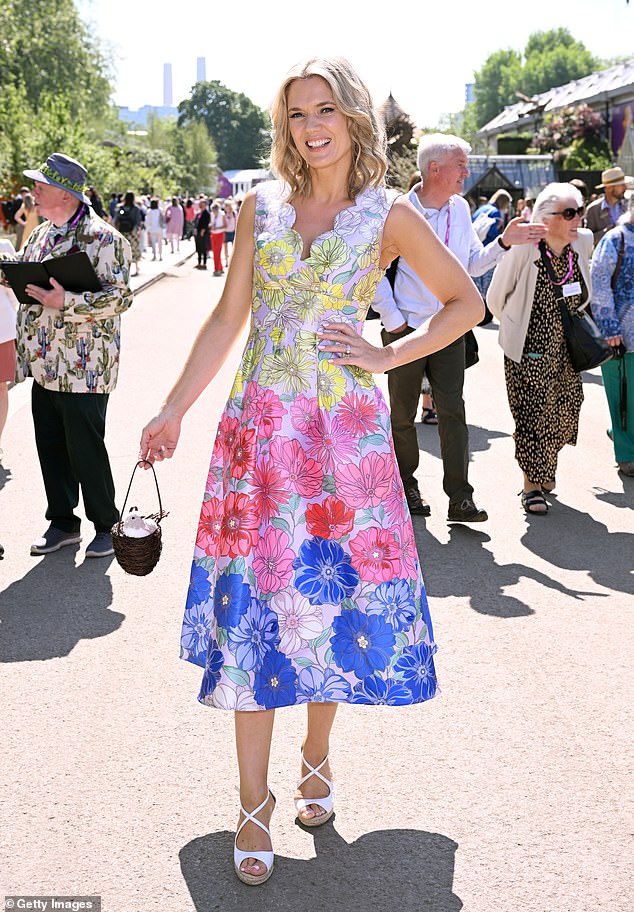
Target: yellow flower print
pixel 250 360
pixel 366 286
pixel 291 368
pixel 307 341
pixel 330 254
pixel 277 258
pixel 331 384
pixel 308 305
pixel 362 377
pixel 368 254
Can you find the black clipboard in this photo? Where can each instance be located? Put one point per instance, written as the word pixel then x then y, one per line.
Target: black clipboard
pixel 74 273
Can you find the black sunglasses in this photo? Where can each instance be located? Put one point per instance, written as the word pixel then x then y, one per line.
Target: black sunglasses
pixel 570 213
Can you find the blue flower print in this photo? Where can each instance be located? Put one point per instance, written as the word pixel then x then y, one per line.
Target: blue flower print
pixel 377 692
pixel 317 686
pixel 254 636
pixel 415 668
pixel 195 634
pixel 362 643
pixel 231 599
pixel 324 574
pixel 275 681
pixel 213 666
pixel 395 602
pixel 199 586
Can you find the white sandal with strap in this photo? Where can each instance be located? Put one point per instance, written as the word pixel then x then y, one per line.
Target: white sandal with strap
pixel 266 858
pixel 327 802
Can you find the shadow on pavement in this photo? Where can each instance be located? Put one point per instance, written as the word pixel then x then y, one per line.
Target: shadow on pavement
pixel 5 476
pixel 474 574
pixel 479 439
pixel 46 613
pixel 573 540
pixel 409 869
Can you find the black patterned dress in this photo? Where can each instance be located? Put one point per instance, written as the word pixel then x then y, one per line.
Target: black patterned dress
pixel 544 392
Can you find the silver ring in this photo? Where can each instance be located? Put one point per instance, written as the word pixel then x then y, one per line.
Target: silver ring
pixel 347 350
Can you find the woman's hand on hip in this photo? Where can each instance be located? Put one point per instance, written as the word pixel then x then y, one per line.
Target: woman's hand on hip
pixel 350 348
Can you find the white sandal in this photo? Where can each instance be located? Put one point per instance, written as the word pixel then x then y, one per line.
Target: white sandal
pixel 267 858
pixel 327 802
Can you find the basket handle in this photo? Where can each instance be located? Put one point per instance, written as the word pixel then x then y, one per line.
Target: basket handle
pixel 158 493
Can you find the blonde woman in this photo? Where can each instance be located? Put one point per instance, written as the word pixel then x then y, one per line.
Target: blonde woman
pixel 305 585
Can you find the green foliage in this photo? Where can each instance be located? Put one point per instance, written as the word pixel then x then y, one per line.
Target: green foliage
pixel 46 48
pixel 588 155
pixel 495 84
pixel 561 128
pixel 550 58
pixel 237 126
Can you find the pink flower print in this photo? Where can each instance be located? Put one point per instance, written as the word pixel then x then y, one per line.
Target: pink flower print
pixel 409 552
pixel 394 502
pixel 273 560
pixel 298 620
pixel 330 519
pixel 304 413
pixel 367 484
pixel 210 526
pixel 264 408
pixel 242 456
pixel 303 475
pixel 357 415
pixel 226 437
pixel 239 526
pixel 376 555
pixel 330 443
pixel 269 490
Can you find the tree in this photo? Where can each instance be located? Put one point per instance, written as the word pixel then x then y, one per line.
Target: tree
pixel 551 58
pixel 49 50
pixel 554 58
pixel 495 84
pixel 237 126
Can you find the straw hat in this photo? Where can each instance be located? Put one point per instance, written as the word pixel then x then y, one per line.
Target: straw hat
pixel 612 177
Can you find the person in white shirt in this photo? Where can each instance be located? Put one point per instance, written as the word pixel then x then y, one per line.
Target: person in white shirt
pixel 443 163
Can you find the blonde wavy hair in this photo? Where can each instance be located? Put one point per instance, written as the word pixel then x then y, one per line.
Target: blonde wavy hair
pixel 369 145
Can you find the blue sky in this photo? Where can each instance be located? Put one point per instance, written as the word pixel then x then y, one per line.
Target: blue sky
pixel 425 58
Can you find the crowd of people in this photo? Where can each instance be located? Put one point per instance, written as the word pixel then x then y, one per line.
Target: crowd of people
pixel 305 585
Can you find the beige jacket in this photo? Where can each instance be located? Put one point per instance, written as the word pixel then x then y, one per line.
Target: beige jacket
pixel 512 289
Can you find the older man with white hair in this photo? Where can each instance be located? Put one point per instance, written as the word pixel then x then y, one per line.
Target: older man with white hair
pixel 69 344
pixel 443 164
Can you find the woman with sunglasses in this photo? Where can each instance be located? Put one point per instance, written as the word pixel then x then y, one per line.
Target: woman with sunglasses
pixel 544 392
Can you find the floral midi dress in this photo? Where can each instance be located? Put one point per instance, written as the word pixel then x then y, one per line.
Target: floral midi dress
pixel 305 584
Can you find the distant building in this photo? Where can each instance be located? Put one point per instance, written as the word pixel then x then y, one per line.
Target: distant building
pixel 243 180
pixel 469 92
pixel 609 92
pixel 201 69
pixel 168 100
pixel 140 116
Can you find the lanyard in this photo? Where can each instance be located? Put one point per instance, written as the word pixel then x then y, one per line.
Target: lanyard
pixel 71 225
pixel 448 228
pixel 548 260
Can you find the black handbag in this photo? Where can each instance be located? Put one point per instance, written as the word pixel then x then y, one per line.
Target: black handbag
pixel 586 346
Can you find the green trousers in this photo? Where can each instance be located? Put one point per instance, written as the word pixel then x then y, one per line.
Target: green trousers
pixel 69 435
pixel 612 373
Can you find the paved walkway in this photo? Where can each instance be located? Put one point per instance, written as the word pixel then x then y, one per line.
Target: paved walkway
pixel 511 791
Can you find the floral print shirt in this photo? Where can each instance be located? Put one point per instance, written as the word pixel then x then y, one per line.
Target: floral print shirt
pixel 76 350
pixel 613 309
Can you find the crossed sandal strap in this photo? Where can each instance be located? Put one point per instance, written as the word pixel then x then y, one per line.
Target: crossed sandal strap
pixel 327 801
pixel 266 857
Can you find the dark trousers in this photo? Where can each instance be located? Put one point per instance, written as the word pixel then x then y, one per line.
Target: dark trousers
pixel 202 248
pixel 69 434
pixel 445 370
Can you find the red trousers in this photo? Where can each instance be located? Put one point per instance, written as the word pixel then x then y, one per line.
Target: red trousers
pixel 217 240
